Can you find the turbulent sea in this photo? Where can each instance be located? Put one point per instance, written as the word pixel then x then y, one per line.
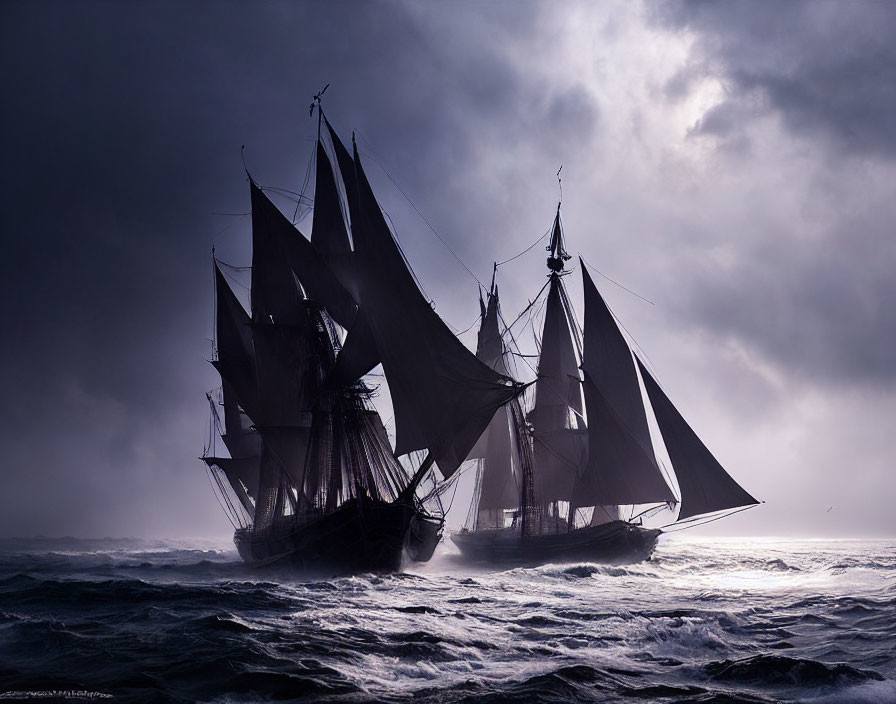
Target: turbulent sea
pixel 725 620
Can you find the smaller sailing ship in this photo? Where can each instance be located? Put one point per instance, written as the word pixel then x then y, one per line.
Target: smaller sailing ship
pixel 312 479
pixel 554 483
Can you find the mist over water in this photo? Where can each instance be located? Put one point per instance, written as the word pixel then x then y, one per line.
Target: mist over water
pixel 707 620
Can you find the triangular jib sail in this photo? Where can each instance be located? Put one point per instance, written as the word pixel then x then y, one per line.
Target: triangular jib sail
pixel 705 486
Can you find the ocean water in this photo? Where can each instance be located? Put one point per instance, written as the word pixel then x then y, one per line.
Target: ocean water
pixel 724 620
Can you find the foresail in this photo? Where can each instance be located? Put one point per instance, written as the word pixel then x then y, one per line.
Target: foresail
pixel 442 395
pixel 705 485
pixel 622 467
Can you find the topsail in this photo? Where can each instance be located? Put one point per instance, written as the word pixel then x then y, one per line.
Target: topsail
pixel 499 482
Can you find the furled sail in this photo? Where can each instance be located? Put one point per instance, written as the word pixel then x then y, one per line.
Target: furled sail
pixel 498 485
pixel 442 395
pixel 705 485
pixel 621 466
pixel 559 434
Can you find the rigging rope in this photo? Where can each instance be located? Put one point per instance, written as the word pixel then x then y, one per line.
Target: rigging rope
pixel 638 295
pixel 422 216
pixel 517 256
pixel 695 521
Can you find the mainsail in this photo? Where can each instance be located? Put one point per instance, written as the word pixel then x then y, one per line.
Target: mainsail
pixel 559 430
pixel 443 396
pixel 705 486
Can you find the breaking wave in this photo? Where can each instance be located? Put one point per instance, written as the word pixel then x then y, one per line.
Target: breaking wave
pixel 704 621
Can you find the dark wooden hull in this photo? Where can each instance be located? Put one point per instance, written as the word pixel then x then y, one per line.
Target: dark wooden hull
pixel 617 542
pixel 362 535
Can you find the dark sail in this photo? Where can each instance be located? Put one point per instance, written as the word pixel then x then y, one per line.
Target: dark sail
pixel 559 433
pixel 705 485
pixel 233 336
pixel 359 354
pixel 442 395
pixel 318 281
pixel 621 467
pixel 498 485
pixel 287 370
pixel 242 475
pixel 244 445
pixel 239 437
pixel 328 234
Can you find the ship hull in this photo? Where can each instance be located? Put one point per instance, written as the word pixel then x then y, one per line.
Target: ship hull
pixel 617 542
pixel 363 535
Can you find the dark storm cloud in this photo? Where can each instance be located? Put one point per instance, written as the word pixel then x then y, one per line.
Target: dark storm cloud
pixel 122 126
pixel 826 67
pixel 815 294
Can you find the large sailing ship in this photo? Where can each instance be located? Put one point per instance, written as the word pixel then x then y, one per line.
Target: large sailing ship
pixel 573 476
pixel 312 478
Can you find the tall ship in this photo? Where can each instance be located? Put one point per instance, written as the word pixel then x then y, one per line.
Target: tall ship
pixel 310 477
pixel 570 471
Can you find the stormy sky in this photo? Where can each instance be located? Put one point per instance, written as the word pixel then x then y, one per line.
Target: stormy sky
pixel 734 163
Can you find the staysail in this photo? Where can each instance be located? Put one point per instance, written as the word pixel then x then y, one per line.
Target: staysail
pixel 621 468
pixel 442 395
pixel 705 485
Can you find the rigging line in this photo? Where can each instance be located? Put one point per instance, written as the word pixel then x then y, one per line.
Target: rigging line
pixel 619 322
pixel 703 523
pixel 215 492
pixel 531 303
pixel 280 189
pixel 517 256
pixel 394 232
pixel 575 329
pixel 660 462
pixel 638 295
pixel 422 216
pixel 513 340
pixel 233 267
pixel 311 161
pixel 463 332
pixel 230 277
pixel 646 511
